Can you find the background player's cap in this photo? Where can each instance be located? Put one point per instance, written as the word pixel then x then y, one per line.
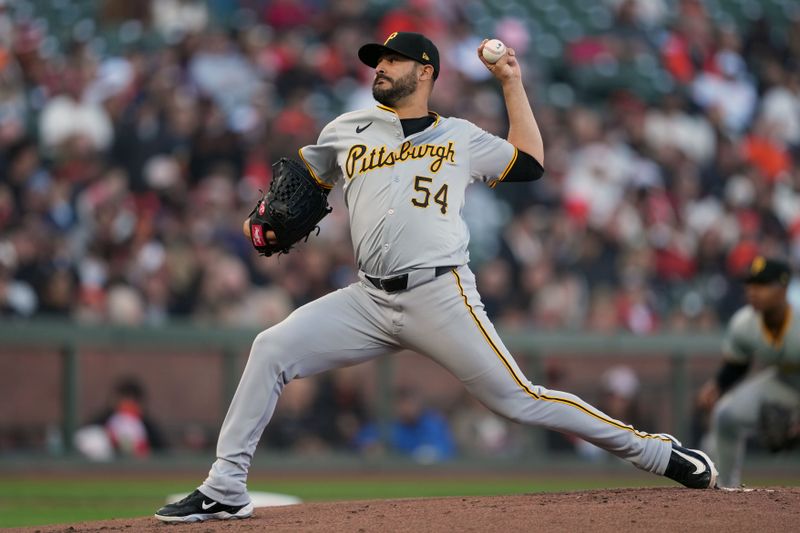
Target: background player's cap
pixel 763 271
pixel 411 45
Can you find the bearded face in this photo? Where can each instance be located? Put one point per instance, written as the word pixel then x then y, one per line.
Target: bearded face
pixel 388 91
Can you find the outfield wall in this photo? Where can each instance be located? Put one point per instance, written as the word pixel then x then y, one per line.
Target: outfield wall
pixel 55 375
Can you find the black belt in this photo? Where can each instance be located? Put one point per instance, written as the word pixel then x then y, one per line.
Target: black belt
pixel 399 283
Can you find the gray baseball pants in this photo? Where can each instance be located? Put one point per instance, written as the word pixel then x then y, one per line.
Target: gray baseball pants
pixel 736 417
pixel 440 317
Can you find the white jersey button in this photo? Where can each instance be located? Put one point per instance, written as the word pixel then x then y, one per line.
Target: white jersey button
pixel 391 211
pixel 386 246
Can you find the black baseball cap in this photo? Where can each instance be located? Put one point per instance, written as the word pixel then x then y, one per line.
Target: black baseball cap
pixel 409 44
pixel 764 271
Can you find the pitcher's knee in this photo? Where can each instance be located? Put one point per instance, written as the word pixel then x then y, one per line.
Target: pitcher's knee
pixel 269 350
pixel 516 415
pixel 509 410
pixel 265 343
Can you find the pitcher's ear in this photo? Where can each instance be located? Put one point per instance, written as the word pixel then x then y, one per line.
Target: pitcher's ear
pixel 426 72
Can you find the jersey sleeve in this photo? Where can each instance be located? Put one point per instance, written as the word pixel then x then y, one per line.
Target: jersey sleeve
pixel 320 158
pixel 735 347
pixel 490 157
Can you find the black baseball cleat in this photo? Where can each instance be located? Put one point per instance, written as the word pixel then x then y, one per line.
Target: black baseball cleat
pixel 691 468
pixel 197 507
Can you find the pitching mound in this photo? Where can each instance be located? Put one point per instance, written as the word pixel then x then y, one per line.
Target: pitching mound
pixel 656 509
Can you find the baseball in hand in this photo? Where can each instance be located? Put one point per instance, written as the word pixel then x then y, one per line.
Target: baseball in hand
pixel 493 50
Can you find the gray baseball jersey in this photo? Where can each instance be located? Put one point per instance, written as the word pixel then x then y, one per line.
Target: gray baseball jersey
pixel 736 415
pixel 404 196
pixel 748 340
pixel 398 188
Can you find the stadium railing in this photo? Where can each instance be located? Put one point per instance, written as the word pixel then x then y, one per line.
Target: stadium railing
pixel 70 339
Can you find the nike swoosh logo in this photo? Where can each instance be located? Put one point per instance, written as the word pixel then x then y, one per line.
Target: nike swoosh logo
pixel 699 465
pixel 207 506
pixel 359 129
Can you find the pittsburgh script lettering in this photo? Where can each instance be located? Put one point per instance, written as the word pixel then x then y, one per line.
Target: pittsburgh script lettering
pixel 361 160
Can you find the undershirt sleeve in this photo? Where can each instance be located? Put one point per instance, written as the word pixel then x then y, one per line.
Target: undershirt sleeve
pixel 730 374
pixel 525 168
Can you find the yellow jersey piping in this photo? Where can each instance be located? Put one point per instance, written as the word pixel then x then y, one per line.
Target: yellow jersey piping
pixel 544 397
pixel 391 110
pixel 507 169
pixel 311 170
pixel 777 340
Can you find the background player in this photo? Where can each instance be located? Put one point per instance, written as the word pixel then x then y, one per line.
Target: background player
pixel 405 171
pixel 766 330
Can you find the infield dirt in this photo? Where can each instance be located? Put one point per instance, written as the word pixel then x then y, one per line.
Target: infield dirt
pixel 598 511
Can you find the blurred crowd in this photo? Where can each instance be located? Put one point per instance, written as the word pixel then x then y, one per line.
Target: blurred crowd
pixel 135 136
pixel 331 414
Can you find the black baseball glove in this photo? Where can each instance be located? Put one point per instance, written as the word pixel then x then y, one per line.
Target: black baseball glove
pixel 292 208
pixel 780 427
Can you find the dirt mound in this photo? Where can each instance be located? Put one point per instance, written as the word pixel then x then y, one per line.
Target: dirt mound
pixel 598 511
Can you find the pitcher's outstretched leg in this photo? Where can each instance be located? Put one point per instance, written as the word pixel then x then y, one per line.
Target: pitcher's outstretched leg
pixel 452 328
pixel 337 330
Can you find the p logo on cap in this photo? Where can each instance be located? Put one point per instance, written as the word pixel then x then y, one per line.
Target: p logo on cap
pixel 758 264
pixel 764 271
pixel 414 46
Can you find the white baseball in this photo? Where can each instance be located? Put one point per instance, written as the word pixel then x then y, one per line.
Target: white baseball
pixel 493 50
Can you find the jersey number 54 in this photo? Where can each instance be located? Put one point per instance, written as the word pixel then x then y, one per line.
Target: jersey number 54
pixel 422 185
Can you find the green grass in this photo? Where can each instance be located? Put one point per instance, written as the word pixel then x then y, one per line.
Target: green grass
pixel 28 502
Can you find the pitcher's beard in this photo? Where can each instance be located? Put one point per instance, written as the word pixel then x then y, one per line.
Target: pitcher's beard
pixel 398 89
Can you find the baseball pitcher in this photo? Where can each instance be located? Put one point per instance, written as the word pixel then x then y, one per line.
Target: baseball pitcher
pixel 767 331
pixel 404 170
